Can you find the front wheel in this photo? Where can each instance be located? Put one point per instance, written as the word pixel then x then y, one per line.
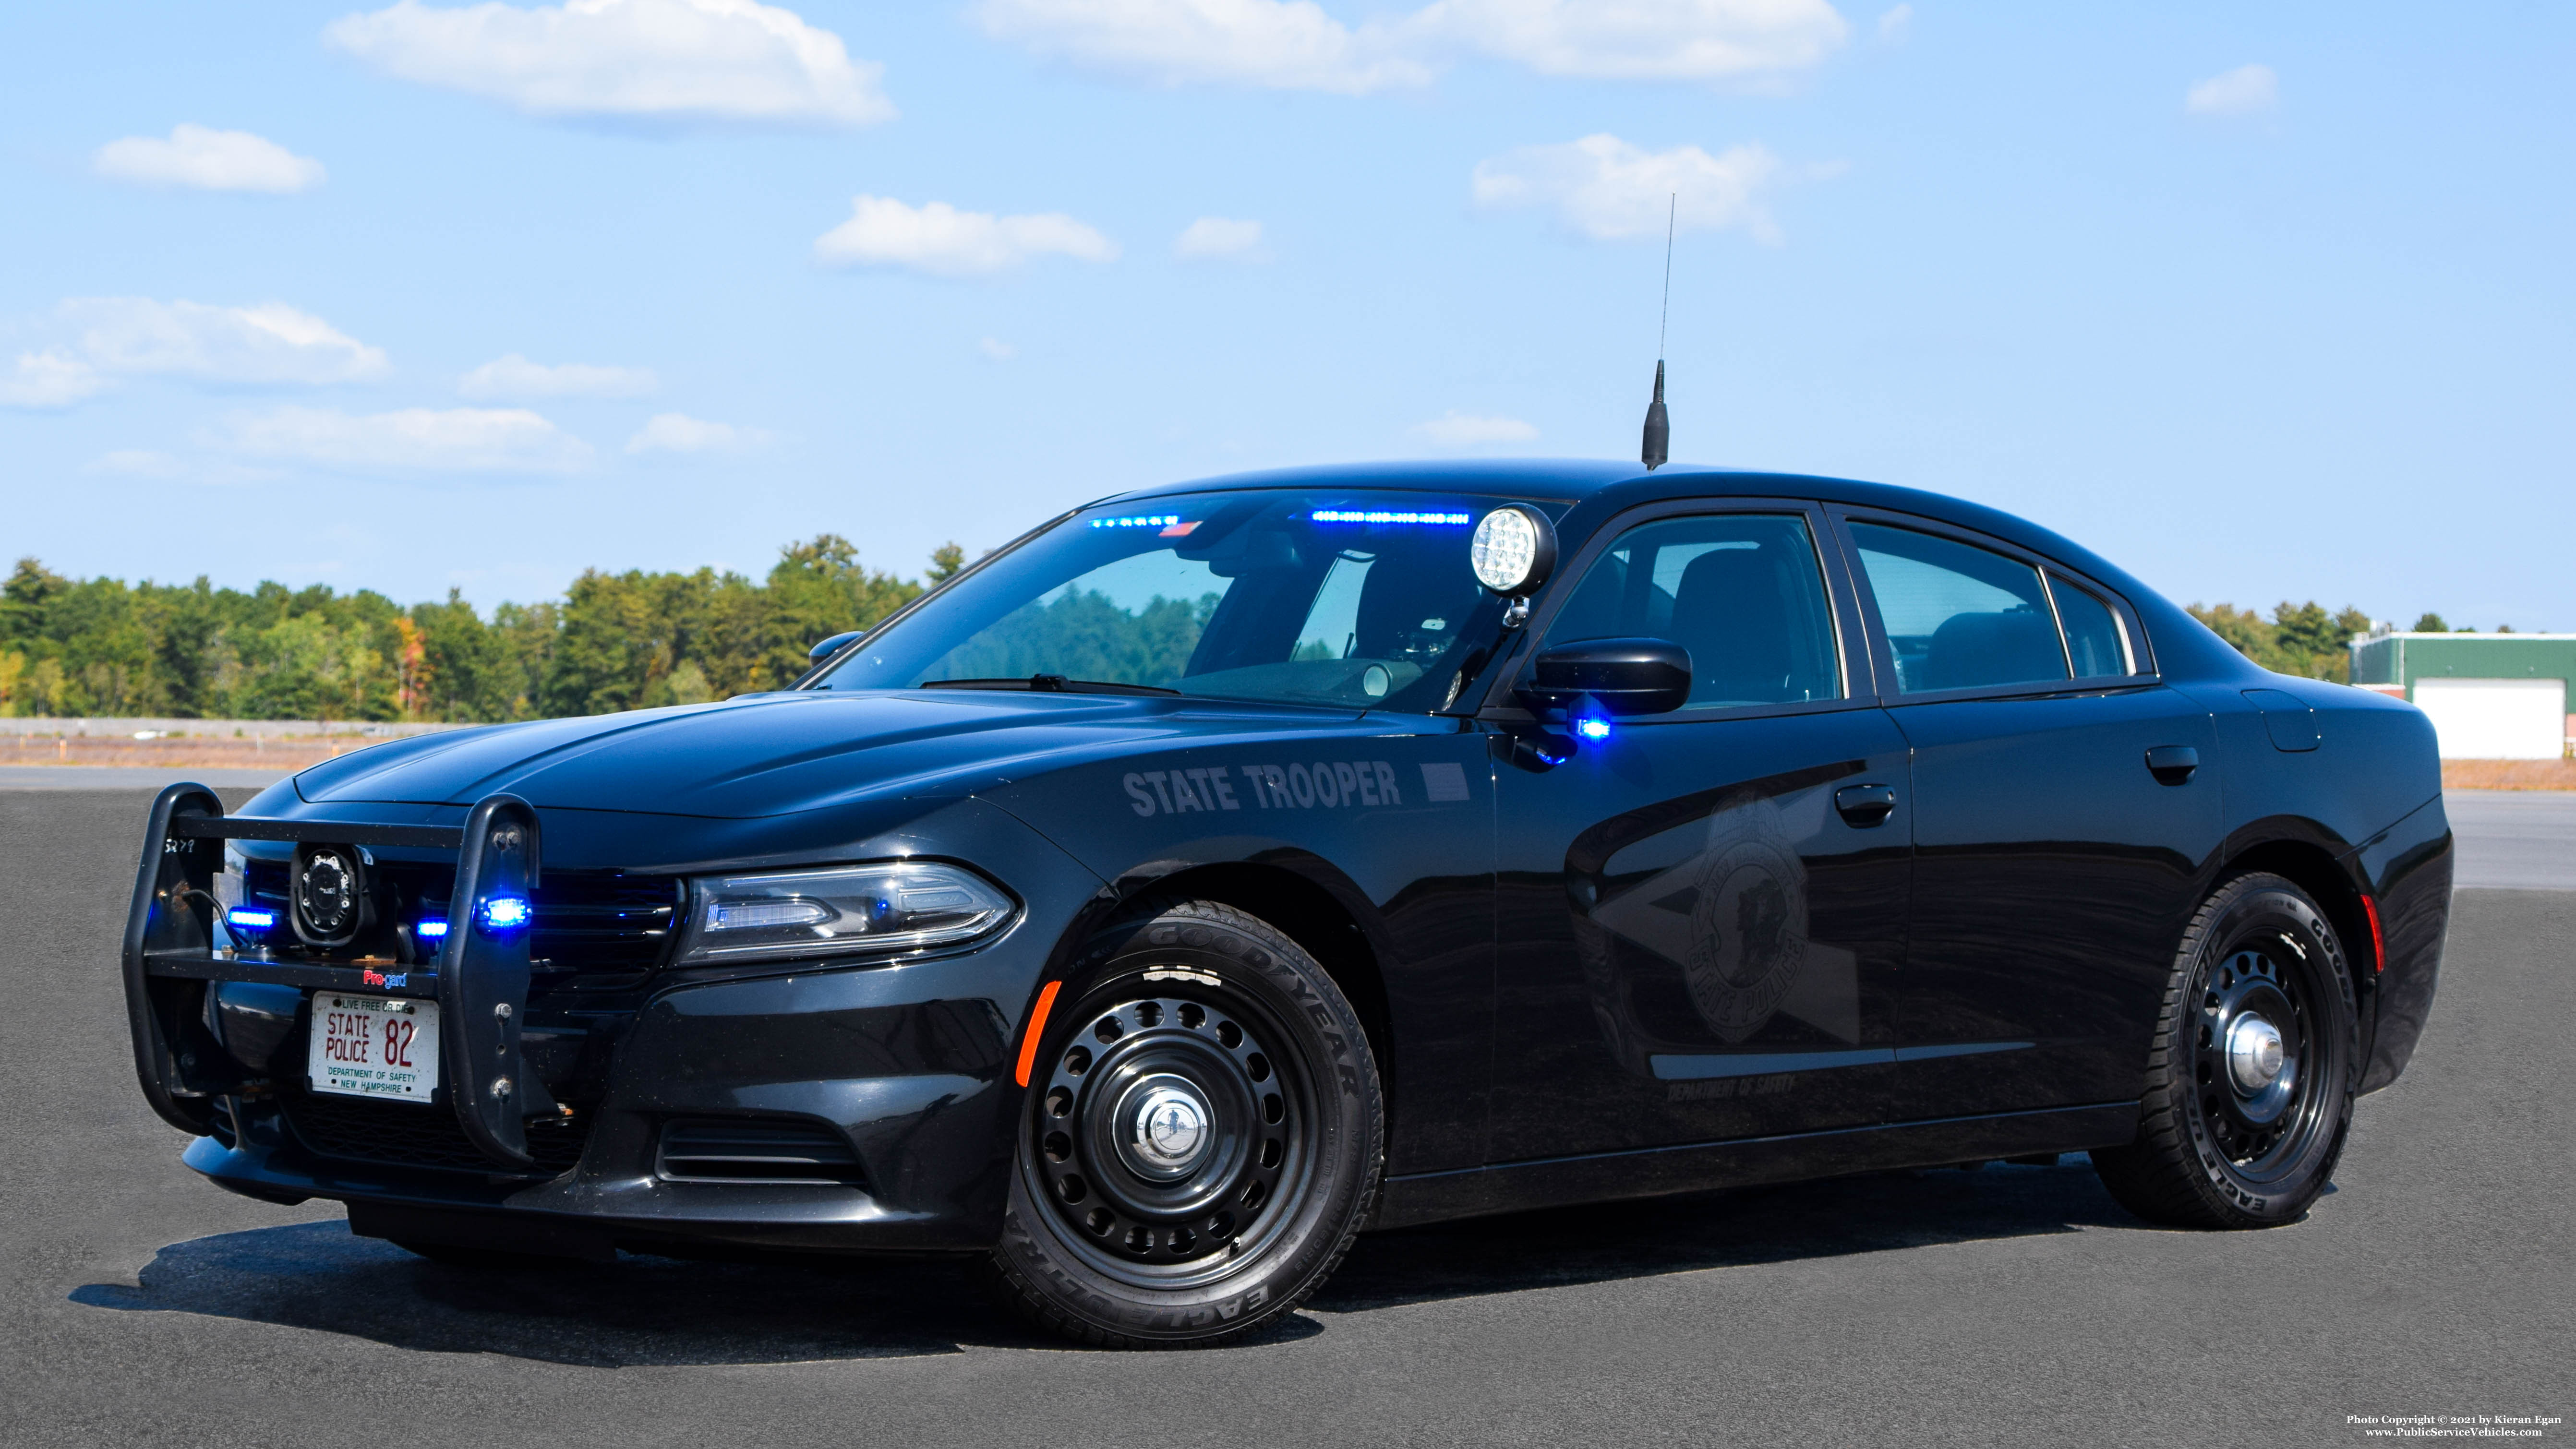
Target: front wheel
pixel 2251 1075
pixel 1202 1137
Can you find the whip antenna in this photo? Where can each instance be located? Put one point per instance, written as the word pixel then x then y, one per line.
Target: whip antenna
pixel 1659 428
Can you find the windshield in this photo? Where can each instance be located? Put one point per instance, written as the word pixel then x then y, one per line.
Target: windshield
pixel 1362 599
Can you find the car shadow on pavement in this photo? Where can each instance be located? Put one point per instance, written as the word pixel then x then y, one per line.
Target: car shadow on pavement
pixel 644 1310
pixel 1830 1218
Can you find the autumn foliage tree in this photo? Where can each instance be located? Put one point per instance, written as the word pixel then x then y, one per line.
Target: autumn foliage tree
pixel 615 641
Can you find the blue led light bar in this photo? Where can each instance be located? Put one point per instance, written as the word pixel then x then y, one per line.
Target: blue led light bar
pixel 1379 515
pixel 250 919
pixel 1148 520
pixel 431 930
pixel 502 913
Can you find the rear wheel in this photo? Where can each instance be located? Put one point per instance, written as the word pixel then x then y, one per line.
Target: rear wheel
pixel 1202 1136
pixel 2251 1075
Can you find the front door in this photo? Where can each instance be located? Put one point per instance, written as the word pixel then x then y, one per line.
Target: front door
pixel 1701 915
pixel 2058 836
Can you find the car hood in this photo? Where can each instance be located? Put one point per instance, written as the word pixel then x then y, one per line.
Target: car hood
pixel 773 754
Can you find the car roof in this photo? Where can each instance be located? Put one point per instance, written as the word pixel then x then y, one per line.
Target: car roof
pixel 1622 485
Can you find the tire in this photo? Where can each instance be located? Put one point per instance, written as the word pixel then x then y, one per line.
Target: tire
pixel 2220 1143
pixel 1126 1228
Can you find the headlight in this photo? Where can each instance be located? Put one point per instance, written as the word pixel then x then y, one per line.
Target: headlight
pixel 898 906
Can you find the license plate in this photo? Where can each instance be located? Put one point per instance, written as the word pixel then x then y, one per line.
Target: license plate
pixel 374 1046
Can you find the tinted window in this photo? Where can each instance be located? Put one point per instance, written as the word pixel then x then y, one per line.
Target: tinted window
pixel 2092 631
pixel 1958 617
pixel 1740 591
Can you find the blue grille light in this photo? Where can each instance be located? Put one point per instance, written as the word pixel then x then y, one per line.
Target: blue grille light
pixel 432 930
pixel 249 919
pixel 1353 515
pixel 502 913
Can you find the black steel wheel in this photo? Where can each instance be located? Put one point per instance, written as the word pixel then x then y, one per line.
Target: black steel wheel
pixel 1201 1137
pixel 2251 1077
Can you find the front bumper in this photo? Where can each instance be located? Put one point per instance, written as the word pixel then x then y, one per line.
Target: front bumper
pixel 907 1063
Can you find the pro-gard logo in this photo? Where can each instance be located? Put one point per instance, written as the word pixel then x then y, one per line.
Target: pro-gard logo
pixel 1321 785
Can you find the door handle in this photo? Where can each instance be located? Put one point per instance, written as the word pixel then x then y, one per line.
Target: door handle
pixel 1865 805
pixel 2172 764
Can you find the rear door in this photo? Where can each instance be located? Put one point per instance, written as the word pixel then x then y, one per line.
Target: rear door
pixel 2057 837
pixel 1697 943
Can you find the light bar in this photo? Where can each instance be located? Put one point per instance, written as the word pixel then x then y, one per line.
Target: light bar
pixel 431 930
pixel 502 913
pixel 1352 515
pixel 1149 520
pixel 250 919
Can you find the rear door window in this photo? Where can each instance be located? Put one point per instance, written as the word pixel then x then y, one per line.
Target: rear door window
pixel 2094 641
pixel 1958 616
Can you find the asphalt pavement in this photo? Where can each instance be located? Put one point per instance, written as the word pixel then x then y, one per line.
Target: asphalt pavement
pixel 2004 1305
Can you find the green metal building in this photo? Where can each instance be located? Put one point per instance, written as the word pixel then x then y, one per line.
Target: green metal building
pixel 2491 696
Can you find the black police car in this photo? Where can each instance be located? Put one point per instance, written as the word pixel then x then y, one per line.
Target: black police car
pixel 1222 869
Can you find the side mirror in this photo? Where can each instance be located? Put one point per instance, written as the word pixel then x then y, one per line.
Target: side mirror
pixel 1627 676
pixel 832 646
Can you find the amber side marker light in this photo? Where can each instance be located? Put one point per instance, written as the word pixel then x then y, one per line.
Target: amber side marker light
pixel 1046 1000
pixel 2369 907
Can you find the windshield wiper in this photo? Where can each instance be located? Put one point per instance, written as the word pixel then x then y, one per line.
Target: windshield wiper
pixel 1049 684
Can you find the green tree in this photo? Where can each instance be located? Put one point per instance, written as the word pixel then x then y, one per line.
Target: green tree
pixel 2430 623
pixel 2298 639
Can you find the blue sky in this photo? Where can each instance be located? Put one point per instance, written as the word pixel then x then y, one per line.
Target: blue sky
pixel 2261 302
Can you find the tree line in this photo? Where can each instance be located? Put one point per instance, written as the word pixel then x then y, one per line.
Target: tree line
pixel 2305 639
pixel 619 641
pixel 614 641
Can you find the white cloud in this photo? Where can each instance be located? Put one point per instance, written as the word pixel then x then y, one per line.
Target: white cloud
pixel 680 433
pixel 939 239
pixel 1295 45
pixel 1214 238
pixel 723 60
pixel 1679 40
pixel 1271 44
pixel 453 440
pixel 49 380
pixel 1455 429
pixel 1609 190
pixel 996 349
pixel 1893 25
pixel 267 343
pixel 515 378
pixel 107 339
pixel 208 160
pixel 2240 92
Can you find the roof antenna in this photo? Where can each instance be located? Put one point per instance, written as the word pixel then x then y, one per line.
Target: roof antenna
pixel 1659 428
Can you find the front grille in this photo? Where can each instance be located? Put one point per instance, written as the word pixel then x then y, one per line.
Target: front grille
pixel 410 1134
pixel 771 1150
pixel 592 929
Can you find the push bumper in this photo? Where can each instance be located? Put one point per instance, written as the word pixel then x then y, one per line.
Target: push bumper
pixel 906 1064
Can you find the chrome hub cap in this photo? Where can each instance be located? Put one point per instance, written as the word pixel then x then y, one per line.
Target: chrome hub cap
pixel 2253 1053
pixel 1168 1127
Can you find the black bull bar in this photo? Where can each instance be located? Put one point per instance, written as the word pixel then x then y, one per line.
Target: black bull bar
pixel 480 980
